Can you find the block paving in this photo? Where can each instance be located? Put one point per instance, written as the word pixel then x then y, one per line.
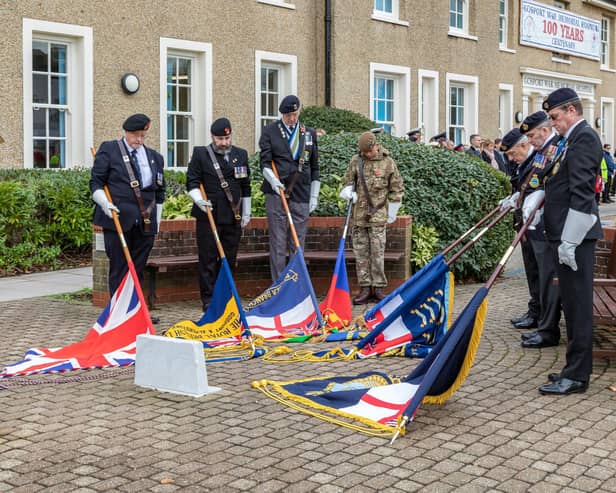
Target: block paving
pixel 99 432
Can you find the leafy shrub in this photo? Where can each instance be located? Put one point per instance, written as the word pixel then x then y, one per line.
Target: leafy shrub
pixel 335 120
pixel 424 240
pixel 177 207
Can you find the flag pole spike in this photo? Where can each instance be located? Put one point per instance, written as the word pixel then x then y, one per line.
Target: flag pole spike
pixel 401 425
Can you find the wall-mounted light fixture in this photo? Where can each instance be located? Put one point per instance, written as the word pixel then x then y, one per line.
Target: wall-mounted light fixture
pixel 518 117
pixel 130 83
pixel 598 122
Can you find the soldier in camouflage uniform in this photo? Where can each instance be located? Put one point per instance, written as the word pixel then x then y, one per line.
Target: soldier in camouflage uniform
pixel 374 184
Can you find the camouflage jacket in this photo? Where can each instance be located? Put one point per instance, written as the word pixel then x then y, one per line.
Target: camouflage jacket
pixel 384 185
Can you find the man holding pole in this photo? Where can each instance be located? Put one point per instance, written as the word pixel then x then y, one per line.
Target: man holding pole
pixel 374 182
pixel 222 170
pixel 134 176
pixel 289 160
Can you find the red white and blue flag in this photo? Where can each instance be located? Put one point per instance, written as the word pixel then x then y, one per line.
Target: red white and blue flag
pixel 287 308
pixel 336 307
pixel 110 342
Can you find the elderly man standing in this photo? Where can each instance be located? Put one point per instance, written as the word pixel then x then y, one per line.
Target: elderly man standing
pixel 374 182
pixel 572 228
pixel 223 171
pixel 293 148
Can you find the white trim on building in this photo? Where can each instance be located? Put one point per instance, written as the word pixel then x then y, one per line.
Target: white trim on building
pixel 428 102
pixel 470 84
pixel 505 108
pixel 401 76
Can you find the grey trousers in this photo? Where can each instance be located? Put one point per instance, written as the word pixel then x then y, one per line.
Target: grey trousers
pixel 280 238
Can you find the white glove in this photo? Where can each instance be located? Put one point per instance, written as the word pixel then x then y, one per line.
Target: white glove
pixel 576 226
pixel 200 202
pixel 347 193
pixel 315 187
pixel 530 204
pixel 392 211
pixel 509 202
pixel 101 199
pixel 159 215
pixel 269 175
pixel 246 210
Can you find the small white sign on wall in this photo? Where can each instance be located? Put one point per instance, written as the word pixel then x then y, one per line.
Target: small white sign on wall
pixel 99 242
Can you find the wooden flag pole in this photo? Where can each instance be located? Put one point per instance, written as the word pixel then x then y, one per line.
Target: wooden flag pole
pixel 208 211
pixel 285 204
pixel 473 228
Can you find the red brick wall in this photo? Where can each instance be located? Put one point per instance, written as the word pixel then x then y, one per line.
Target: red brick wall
pixel 602 253
pixel 177 237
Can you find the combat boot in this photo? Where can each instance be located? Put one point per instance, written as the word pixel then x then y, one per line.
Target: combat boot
pixel 378 294
pixel 363 297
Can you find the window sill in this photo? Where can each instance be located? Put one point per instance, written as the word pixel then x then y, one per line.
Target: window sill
pixel 607 69
pixel 556 59
pixel 391 20
pixel 506 50
pixel 278 3
pixel 461 34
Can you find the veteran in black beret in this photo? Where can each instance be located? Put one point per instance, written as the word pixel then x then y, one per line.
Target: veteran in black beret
pixel 572 227
pixel 414 134
pixel 222 170
pixel 133 173
pixel 292 147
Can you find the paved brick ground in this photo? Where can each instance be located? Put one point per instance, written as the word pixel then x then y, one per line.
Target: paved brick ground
pixel 496 434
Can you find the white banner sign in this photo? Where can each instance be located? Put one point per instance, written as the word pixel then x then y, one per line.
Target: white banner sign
pixel 559 30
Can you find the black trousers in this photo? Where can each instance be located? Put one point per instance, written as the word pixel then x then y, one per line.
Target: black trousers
pixel 549 293
pixel 209 260
pixel 139 247
pixel 607 188
pixel 532 278
pixel 576 296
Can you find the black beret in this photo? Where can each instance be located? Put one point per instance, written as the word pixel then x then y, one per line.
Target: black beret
pixel 221 127
pixel 533 120
pixel 510 139
pixel 441 136
pixel 414 131
pixel 136 122
pixel 564 95
pixel 289 104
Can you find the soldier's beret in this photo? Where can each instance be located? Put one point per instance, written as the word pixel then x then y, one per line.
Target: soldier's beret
pixel 510 139
pixel 136 122
pixel 441 136
pixel 533 120
pixel 221 127
pixel 564 95
pixel 366 142
pixel 413 131
pixel 289 104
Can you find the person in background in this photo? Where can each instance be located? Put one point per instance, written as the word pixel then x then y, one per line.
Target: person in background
pixel 611 169
pixel 487 153
pixel 414 134
pixel 475 147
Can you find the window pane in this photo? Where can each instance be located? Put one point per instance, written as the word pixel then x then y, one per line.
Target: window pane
pixel 263 79
pixel 58 89
pixel 39 56
pixel 182 126
pixel 184 76
pixel 56 123
pixel 39 88
pixel 170 127
pixel 56 154
pixel 170 154
pixel 272 105
pixel 58 58
pixel 182 154
pixel 39 154
pixel 183 99
pixel 171 68
pixel 38 120
pixel 272 81
pixel 171 97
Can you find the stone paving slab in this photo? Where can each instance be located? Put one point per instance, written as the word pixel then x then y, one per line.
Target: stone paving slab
pixel 105 434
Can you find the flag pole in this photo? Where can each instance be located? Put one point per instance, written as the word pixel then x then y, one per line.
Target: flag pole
pixel 223 259
pixel 129 261
pixel 298 246
pixel 405 418
pixel 469 231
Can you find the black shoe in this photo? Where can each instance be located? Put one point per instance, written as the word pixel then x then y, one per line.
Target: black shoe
pixel 517 320
pixel 155 320
pixel 538 341
pixel 378 294
pixel 527 335
pixel 542 333
pixel 363 297
pixel 563 386
pixel 527 323
pixel 553 377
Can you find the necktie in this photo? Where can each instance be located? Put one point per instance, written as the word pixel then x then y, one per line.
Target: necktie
pixel 135 161
pixel 294 142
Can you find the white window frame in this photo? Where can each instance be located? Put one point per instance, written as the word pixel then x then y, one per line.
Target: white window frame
pixel 504 18
pixel 80 118
pixel 278 3
pixel 471 106
pixel 428 118
pixel 605 62
pixel 607 121
pixel 402 94
pixel 464 31
pixel 202 54
pixel 288 85
pixel 505 118
pixel 392 17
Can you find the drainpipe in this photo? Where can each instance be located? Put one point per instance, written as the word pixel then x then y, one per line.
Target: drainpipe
pixel 328 52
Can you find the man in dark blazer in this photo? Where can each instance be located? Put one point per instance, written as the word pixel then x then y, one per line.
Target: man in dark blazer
pixel 293 148
pixel 137 188
pixel 572 228
pixel 228 194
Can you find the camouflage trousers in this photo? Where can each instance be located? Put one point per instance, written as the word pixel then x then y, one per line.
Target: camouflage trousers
pixel 369 248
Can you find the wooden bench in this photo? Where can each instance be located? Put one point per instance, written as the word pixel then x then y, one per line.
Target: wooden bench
pixel 604 302
pixel 349 255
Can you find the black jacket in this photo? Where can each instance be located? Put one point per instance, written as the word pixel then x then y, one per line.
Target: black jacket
pixel 274 146
pixel 236 173
pixel 109 169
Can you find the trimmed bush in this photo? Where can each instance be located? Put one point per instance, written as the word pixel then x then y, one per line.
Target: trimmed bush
pixel 335 120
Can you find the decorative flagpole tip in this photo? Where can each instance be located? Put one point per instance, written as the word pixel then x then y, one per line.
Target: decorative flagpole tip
pixel 399 429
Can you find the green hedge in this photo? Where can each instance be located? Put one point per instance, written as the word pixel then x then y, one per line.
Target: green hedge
pixel 335 120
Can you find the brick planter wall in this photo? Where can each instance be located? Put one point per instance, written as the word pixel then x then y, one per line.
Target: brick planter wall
pixel 177 237
pixel 603 250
